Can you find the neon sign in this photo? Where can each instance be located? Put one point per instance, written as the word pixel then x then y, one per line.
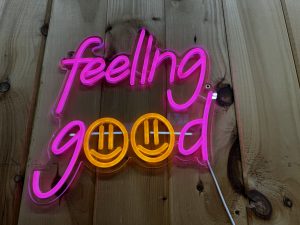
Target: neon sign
pixel 151 148
pixel 95 69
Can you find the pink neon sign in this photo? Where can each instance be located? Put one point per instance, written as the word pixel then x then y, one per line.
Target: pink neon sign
pixel 76 140
pixel 95 69
pixel 91 71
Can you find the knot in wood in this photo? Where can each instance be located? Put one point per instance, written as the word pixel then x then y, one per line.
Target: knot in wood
pixel 287 202
pixel 225 95
pixel 4 86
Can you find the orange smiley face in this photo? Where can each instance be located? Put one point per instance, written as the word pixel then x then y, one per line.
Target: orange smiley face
pixel 163 151
pixel 115 155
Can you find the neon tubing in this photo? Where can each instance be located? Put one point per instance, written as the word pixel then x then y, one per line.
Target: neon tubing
pixel 202 141
pixel 158 59
pixel 201 62
pixel 113 69
pixel 152 155
pixel 90 41
pixel 113 158
pixel 146 60
pixel 136 56
pixel 151 132
pixel 56 150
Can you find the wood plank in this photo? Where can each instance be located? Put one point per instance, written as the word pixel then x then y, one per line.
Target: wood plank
pixel 268 105
pixel 21 49
pixel 71 21
pixel 135 195
pixel 190 23
pixel 291 9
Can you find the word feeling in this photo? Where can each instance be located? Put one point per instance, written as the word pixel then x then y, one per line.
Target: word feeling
pixel 95 69
pixel 74 136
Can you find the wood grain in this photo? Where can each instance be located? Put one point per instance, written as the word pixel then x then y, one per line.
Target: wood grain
pixel 21 49
pixel 135 195
pixel 291 10
pixel 252 45
pixel 190 23
pixel 71 21
pixel 268 105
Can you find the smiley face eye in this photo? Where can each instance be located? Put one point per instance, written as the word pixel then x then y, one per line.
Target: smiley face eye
pixel 110 137
pixel 160 151
pixel 154 132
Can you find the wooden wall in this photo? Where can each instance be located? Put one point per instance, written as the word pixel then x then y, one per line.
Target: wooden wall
pixel 254 46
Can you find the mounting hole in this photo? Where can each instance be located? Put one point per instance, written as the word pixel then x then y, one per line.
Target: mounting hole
pixel 207 86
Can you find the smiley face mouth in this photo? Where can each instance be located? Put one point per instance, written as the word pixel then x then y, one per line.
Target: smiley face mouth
pixel 155 152
pixel 106 157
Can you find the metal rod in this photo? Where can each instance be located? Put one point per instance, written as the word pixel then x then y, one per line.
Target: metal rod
pixel 151 132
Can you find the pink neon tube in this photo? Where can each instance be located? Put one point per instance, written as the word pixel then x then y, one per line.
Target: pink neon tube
pixel 89 76
pixel 78 139
pixel 158 59
pixel 202 141
pixel 91 41
pixel 120 65
pixel 136 56
pixel 201 62
pixel 146 60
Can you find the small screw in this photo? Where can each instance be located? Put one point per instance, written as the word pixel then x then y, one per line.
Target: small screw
pixel 207 86
pixel 287 202
pixel 4 86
